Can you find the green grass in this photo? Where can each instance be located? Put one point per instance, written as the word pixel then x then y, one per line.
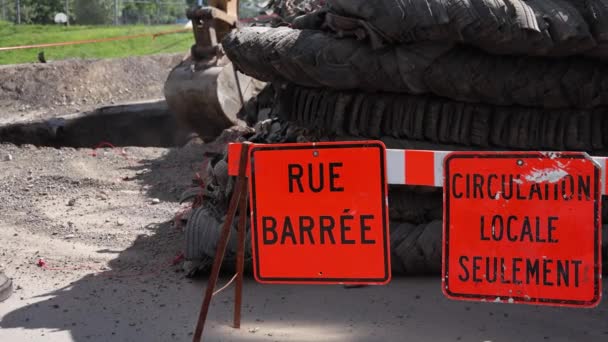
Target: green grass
pixel 14 35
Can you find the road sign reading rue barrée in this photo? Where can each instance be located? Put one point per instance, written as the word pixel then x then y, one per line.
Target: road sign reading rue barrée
pixel 319 213
pixel 522 228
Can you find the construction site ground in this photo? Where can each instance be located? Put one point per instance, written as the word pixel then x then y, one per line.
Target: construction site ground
pixel 43 90
pixel 90 240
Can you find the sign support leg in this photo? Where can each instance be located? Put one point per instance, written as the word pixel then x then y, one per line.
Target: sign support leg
pixel 239 193
pixel 240 257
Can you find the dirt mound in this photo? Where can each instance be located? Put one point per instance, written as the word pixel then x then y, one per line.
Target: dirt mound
pixel 76 85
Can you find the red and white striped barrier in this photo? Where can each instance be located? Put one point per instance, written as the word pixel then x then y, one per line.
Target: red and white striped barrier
pixel 414 167
pixel 603 162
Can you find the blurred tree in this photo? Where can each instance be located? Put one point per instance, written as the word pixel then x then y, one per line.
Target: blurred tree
pixel 43 11
pixel 153 12
pixel 37 11
pixel 93 12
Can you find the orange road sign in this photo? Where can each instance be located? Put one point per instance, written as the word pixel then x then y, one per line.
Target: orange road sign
pixel 522 228
pixel 319 213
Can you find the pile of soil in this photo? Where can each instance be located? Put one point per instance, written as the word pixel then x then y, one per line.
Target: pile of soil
pixel 34 91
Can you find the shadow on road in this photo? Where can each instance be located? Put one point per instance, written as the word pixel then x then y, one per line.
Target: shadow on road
pixel 140 298
pixel 167 177
pixel 143 298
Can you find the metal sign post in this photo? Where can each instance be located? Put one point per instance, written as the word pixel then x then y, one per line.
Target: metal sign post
pixel 239 198
pixel 318 181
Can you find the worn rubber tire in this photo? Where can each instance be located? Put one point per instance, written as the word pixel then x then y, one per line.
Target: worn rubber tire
pixel 540 27
pixel 202 234
pixel 416 249
pixel 465 74
pixel 6 287
pixel 314 59
pixel 415 204
pixel 440 123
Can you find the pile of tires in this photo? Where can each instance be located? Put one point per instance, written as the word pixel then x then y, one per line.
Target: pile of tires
pixel 431 74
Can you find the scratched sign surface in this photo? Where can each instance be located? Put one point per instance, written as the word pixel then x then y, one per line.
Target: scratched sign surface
pixel 522 228
pixel 319 213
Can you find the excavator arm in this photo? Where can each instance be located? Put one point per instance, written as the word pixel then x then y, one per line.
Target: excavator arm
pixel 211 24
pixel 204 91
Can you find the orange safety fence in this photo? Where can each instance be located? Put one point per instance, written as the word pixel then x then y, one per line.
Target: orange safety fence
pixel 99 40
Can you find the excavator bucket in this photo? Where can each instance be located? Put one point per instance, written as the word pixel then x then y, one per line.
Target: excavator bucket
pixel 207 100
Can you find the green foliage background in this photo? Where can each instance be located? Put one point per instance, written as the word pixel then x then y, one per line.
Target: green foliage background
pixel 92 19
pixel 12 35
pixel 102 12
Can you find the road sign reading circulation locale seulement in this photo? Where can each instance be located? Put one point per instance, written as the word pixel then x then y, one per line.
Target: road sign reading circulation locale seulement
pixel 319 213
pixel 522 228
